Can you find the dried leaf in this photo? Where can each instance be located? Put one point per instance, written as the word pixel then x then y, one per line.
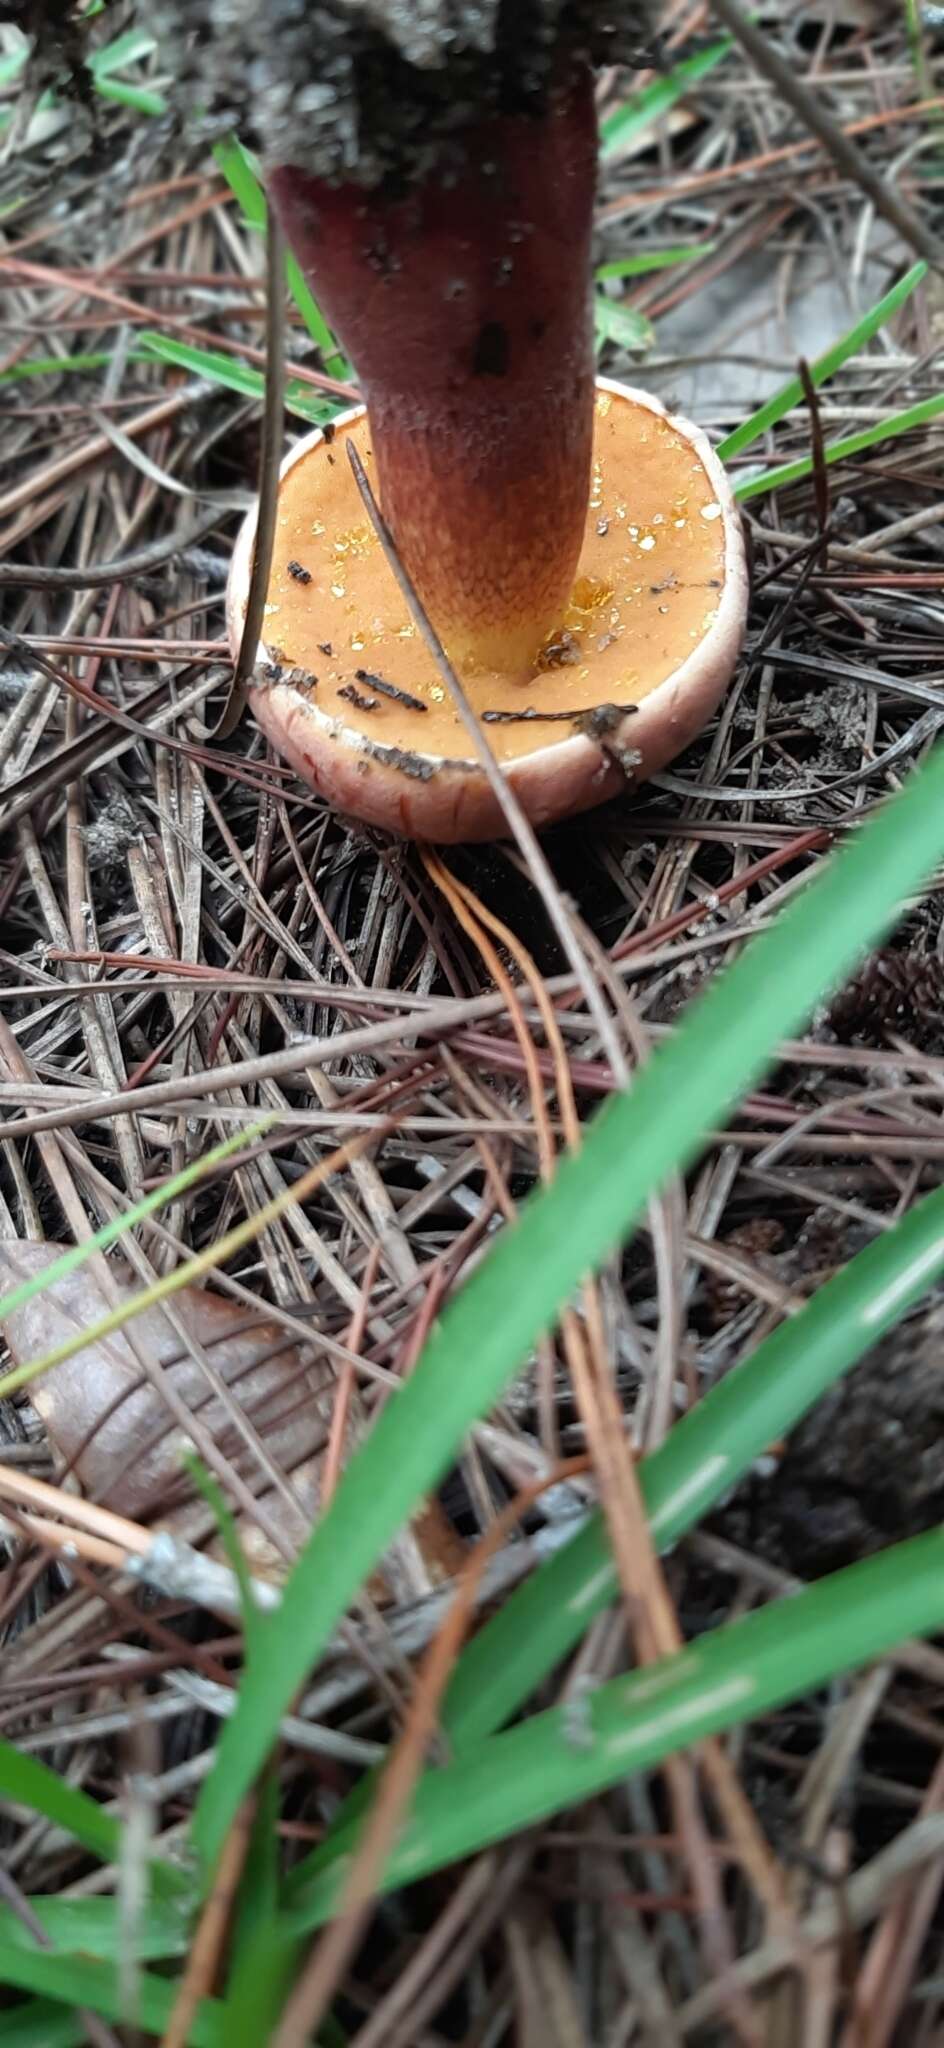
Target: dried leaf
pixel 111 1427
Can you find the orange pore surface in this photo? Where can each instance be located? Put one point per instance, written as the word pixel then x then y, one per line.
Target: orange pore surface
pixel 647 590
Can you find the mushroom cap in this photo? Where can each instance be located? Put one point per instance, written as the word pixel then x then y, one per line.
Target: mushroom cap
pixel 388 778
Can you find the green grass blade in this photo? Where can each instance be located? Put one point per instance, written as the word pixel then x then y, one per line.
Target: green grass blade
pixel 825 366
pixel 129 48
pixel 632 1723
pixel 214 368
pixel 125 49
pixel 239 171
pixel 50 366
pixel 621 128
pixel 261 1976
pixel 839 451
pixel 657 259
pixel 139 98
pixel 77 1254
pixel 236 165
pixel 621 324
pixel 701 1459
pixel 12 64
pixel 37 2023
pixel 94 1927
pixel 81 1980
pixel 24 1781
pixel 563 1233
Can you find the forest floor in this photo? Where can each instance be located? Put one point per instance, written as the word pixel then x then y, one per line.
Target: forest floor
pixel 171 905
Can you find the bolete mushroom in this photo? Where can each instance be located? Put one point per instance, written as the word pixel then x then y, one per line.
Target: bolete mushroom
pixel 576 548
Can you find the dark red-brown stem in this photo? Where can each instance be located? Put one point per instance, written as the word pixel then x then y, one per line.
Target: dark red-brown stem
pixel 463 301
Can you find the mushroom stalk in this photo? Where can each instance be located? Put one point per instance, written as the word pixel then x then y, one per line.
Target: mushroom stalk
pixel 463 300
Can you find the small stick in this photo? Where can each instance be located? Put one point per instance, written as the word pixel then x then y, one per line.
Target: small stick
pixel 268 482
pixel 357 698
pixel 820 471
pixel 27 576
pixel 391 690
pixel 549 717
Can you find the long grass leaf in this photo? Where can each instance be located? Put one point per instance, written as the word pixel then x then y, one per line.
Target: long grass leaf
pixel 656 259
pixel 622 128
pixel 632 1723
pixel 95 1927
pixel 562 1234
pixel 24 1781
pixel 625 326
pixel 703 1457
pixel 839 451
pixel 239 171
pixel 826 365
pixel 140 98
pixel 125 49
pixel 81 1980
pixel 49 366
pixel 37 2023
pixel 215 368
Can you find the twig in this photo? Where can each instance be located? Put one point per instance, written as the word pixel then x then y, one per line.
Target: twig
pixel 95 575
pixel 269 455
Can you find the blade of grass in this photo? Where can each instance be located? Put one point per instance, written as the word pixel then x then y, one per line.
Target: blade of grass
pixel 37 2023
pixel 727 1677
pixel 239 171
pixel 236 376
pixel 262 1957
pixel 47 366
pixel 622 325
pixel 839 451
pixel 657 259
pixel 100 1239
pixel 102 64
pixel 563 1233
pixel 24 1781
pixel 701 1459
pixel 128 48
pixel 94 1927
pixel 138 97
pixel 699 1463
pixel 261 1975
pixel 826 365
pixel 12 64
pixel 622 128
pixel 81 1980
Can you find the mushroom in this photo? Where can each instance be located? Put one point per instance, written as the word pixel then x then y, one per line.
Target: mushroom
pixel 648 636
pixel 576 548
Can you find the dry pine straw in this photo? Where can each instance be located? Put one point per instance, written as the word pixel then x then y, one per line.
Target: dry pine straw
pixel 175 912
